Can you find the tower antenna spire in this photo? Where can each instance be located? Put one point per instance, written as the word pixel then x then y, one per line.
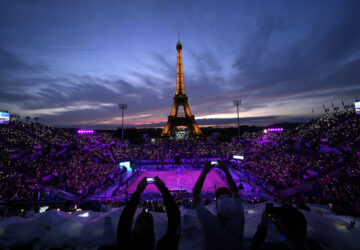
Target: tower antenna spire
pixel 178 37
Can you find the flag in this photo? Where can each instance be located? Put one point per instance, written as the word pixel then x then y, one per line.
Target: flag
pixel 332 104
pixel 342 101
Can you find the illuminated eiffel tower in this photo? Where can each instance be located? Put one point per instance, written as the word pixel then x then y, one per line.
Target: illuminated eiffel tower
pixel 182 117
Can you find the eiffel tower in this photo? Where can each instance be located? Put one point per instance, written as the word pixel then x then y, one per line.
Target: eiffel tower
pixel 178 118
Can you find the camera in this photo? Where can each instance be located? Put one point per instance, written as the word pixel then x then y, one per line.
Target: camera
pixel 271 211
pixel 150 180
pixel 269 208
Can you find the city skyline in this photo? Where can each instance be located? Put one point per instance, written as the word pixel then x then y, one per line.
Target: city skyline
pixel 72 62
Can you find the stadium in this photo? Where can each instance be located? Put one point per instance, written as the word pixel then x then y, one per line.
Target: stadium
pixel 83 180
pixel 74 174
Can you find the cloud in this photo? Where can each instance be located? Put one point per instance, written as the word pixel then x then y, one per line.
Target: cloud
pixel 322 60
pixel 11 63
pixel 216 122
pixel 279 59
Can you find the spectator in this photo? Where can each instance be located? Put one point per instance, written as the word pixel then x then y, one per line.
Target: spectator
pixel 142 237
pixel 224 230
pixel 291 223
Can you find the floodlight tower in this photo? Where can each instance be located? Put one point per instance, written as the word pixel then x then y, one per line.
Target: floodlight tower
pixel 237 103
pixel 122 107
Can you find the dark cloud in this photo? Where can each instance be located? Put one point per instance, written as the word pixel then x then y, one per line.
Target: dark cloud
pixel 304 65
pixel 94 91
pixel 11 63
pixel 255 49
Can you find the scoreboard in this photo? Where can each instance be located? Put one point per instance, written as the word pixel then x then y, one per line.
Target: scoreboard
pixel 4 117
pixel 357 108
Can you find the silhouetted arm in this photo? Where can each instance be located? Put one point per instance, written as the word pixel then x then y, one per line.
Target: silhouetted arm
pixel 259 238
pixel 125 222
pixel 230 180
pixel 200 182
pixel 172 236
pixel 127 216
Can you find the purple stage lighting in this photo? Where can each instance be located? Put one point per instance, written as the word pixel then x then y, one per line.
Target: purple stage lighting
pixel 85 131
pixel 275 129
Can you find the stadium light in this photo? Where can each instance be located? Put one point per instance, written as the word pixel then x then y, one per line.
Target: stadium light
pixel 122 107
pixel 85 131
pixel 275 130
pixel 237 103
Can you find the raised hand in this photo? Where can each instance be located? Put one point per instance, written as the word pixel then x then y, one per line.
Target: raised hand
pixel 230 180
pixel 222 166
pixel 141 186
pixel 159 183
pixel 265 218
pixel 207 167
pixel 200 182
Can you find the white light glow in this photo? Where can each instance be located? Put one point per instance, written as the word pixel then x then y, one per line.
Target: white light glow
pixel 86 214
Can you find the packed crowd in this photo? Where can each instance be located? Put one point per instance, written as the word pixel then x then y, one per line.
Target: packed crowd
pixel 222 227
pixel 33 156
pixel 335 129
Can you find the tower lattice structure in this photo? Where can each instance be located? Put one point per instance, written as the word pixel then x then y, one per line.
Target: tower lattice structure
pixel 178 118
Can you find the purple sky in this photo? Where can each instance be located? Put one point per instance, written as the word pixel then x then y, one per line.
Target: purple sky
pixel 72 62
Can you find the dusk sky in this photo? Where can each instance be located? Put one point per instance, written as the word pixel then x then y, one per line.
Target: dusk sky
pixel 72 62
